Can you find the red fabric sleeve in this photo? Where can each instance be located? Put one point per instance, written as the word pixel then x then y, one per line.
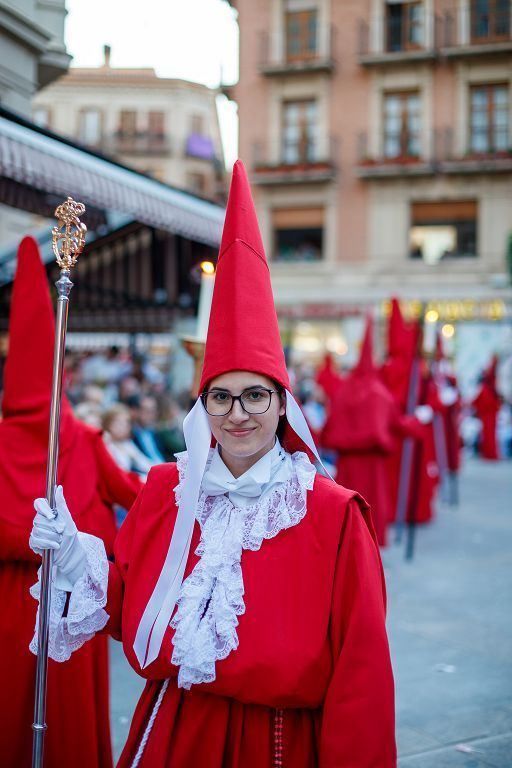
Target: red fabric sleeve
pixel 119 568
pixel 409 426
pixel 358 713
pixel 14 543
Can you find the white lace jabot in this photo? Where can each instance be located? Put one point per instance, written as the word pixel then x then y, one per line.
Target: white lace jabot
pixel 273 468
pixel 234 514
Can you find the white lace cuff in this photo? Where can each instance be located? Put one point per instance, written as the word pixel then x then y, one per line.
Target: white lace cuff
pixel 85 612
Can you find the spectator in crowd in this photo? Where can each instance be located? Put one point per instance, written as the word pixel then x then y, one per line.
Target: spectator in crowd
pixel 170 430
pixel 129 388
pixel 117 434
pixel 93 394
pixel 89 413
pixel 144 430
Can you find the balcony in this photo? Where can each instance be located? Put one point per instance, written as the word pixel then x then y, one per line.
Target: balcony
pixel 136 144
pixel 472 33
pixel 397 40
pixel 295 162
pixel 443 158
pixel 449 160
pixel 277 57
pixel 379 166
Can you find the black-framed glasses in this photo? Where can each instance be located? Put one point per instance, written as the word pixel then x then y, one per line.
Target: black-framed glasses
pixel 254 400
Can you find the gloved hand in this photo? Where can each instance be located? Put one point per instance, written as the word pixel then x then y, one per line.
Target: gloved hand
pixel 424 413
pixel 60 534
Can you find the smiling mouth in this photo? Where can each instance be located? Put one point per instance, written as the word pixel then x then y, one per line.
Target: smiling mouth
pixel 240 432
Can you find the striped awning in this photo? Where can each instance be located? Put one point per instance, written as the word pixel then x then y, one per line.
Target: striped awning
pixel 42 161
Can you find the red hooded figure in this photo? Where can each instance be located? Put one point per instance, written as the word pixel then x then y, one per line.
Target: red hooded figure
pixel 269 647
pixel 487 405
pixel 363 425
pixel 77 700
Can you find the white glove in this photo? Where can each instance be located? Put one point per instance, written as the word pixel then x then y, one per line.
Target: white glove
pixel 448 395
pixel 58 532
pixel 424 413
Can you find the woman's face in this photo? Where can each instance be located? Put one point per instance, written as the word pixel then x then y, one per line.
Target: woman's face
pixel 120 427
pixel 244 437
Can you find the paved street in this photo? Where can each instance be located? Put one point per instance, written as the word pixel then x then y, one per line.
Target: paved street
pixel 450 627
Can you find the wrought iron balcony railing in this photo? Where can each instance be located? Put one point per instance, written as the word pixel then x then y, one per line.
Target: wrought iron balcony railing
pixel 309 159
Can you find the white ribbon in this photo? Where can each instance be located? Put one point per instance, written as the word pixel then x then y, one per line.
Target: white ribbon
pixel 298 423
pixel 158 612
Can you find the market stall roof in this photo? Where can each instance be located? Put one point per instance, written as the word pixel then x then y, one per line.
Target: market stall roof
pixel 45 161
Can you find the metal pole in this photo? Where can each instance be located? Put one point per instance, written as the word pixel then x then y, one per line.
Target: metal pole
pixel 67 246
pixel 407 451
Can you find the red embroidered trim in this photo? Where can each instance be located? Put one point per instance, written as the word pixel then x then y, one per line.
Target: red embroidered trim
pixel 278 738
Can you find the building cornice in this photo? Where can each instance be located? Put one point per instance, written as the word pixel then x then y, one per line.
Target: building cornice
pixel 21 28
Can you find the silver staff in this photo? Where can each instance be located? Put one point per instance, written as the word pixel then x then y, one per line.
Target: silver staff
pixel 68 240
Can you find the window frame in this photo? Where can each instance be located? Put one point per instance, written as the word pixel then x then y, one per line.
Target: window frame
pixel 306 144
pixel 405 134
pixel 491 129
pixel 303 20
pixel 407 24
pixel 493 21
pixel 459 214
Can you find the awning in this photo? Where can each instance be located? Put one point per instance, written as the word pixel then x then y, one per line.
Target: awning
pixel 35 158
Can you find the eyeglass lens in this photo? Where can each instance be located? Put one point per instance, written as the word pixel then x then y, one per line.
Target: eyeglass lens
pixel 219 403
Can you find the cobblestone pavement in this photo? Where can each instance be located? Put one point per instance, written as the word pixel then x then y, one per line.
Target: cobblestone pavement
pixel 450 629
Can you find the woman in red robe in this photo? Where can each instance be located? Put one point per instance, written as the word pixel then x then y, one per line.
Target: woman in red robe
pixel 247 589
pixel 78 700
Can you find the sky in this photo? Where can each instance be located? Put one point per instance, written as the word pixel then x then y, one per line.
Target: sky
pixel 190 39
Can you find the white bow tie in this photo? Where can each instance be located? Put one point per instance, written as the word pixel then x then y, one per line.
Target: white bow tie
pixel 272 468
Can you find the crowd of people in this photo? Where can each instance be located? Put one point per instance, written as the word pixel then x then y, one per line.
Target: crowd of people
pixel 128 398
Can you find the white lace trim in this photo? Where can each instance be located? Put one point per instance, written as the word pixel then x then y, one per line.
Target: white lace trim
pixel 211 598
pixel 85 612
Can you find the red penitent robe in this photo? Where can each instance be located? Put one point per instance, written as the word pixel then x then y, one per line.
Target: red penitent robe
pixel 312 644
pixel 77 712
pixel 487 406
pixel 364 425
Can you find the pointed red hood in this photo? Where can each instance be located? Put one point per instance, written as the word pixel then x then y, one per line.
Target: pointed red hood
pixel 243 333
pixel 29 364
pixel 83 459
pixel 489 376
pixel 365 364
pixel 361 412
pixel 328 377
pixel 401 335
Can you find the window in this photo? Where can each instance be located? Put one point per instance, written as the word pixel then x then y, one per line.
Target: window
pixel 402 124
pixel 196 183
pixel 41 117
pixel 490 20
pixel 298 234
pixel 156 124
pixel 197 125
pixel 404 26
pixel 301 35
pixel 442 230
pixel 89 130
pixel 299 132
pixel 127 122
pixel 489 129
